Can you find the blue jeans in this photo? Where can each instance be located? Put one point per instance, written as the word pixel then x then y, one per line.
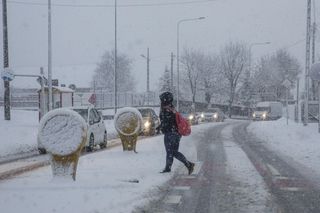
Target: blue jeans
pixel 171 143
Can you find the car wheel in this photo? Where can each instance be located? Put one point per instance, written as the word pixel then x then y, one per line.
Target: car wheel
pixel 91 144
pixel 42 151
pixel 105 141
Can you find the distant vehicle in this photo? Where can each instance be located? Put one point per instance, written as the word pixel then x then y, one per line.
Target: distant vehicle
pixel 212 115
pixel 193 118
pixel 97 133
pixel 151 121
pixel 267 111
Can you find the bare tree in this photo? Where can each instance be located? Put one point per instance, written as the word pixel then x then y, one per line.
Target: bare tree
pixel 234 59
pixel 271 73
pixel 212 80
pixel 193 66
pixel 104 73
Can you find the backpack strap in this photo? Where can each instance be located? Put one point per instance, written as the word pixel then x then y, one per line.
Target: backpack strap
pixel 170 109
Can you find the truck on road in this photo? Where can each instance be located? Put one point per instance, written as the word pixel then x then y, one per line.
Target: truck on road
pixel 268 110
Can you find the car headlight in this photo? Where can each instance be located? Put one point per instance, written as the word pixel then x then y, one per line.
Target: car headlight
pixel 215 115
pixel 191 117
pixel 264 115
pixel 202 115
pixel 254 115
pixel 147 124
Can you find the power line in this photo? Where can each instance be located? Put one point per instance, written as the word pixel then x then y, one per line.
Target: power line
pixel 110 5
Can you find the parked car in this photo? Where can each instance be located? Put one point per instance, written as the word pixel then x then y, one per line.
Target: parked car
pixel 212 115
pixel 97 133
pixel 151 121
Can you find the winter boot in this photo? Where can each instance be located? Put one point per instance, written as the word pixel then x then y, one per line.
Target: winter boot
pixel 166 170
pixel 190 168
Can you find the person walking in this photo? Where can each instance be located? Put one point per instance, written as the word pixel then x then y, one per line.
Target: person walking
pixel 169 128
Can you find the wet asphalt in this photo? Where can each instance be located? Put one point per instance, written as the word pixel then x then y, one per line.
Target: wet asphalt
pixel 212 190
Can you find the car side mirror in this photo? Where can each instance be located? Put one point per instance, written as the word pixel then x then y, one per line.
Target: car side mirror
pixel 91 122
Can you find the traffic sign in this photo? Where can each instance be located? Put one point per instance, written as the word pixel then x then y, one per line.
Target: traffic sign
pixel 7 74
pixel 315 72
pixel 286 83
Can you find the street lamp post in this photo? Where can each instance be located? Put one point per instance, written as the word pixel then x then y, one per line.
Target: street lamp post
pixel 148 73
pixel 248 73
pixel 250 48
pixel 178 72
pixel 115 59
pixel 49 56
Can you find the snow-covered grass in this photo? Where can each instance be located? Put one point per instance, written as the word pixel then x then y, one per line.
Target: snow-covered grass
pixel 19 135
pixel 300 143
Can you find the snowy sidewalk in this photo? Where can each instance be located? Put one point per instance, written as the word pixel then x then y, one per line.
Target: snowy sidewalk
pixel 298 143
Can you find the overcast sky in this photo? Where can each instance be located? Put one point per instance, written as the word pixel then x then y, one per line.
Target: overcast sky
pixel 80 35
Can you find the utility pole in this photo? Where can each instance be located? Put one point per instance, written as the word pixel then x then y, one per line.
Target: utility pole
pixel 307 68
pixel 171 73
pixel 49 57
pixel 6 61
pixel 314 30
pixel 148 73
pixel 115 59
pixel 313 59
pixel 297 102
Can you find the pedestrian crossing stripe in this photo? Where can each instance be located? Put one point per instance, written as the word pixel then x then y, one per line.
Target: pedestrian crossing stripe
pixel 172 199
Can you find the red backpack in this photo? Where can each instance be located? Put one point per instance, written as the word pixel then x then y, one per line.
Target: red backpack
pixel 183 125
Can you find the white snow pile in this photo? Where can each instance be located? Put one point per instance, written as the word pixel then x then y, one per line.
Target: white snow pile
pixel 299 143
pixel 61 131
pixel 19 135
pixel 123 116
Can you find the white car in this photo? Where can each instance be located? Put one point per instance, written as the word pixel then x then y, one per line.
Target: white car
pixel 97 133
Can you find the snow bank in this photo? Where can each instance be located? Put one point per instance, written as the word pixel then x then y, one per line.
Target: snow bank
pixel 19 135
pixel 61 131
pixel 300 143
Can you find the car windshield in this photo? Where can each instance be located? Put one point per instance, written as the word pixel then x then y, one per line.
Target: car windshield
pixel 145 112
pixel 83 113
pixel 262 109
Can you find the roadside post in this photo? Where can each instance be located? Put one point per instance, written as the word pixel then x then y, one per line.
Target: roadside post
pixel 128 123
pixel 63 133
pixel 286 83
pixel 315 75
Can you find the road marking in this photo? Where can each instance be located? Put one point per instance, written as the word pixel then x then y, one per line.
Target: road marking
pixel 181 187
pixel 188 176
pixel 197 168
pixel 291 189
pixel 273 170
pixel 172 199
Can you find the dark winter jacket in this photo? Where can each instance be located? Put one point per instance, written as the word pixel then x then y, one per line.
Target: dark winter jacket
pixel 168 120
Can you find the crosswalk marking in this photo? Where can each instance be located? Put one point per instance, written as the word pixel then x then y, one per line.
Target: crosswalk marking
pixel 181 187
pixel 273 170
pixel 291 189
pixel 197 168
pixel 172 199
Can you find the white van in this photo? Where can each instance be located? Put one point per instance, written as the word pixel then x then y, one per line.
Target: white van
pixel 267 111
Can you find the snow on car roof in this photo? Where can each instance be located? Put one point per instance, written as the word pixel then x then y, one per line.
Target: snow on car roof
pixel 265 103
